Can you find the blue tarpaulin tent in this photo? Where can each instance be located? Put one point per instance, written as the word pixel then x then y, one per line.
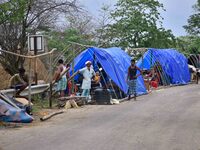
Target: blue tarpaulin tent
pixel 173 63
pixel 114 61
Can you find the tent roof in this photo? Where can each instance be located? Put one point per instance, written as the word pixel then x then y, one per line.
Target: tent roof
pixel 113 60
pixel 173 63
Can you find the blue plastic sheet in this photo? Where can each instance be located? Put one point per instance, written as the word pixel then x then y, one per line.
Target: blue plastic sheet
pixel 9 113
pixel 174 64
pixel 114 61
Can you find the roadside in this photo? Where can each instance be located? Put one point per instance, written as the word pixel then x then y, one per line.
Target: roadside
pixel 41 108
pixel 165 119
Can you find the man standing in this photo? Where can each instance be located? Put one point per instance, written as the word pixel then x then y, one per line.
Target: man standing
pixel 88 73
pixel 132 79
pixel 61 78
pixel 19 81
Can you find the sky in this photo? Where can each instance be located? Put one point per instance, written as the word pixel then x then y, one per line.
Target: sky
pixel 175 17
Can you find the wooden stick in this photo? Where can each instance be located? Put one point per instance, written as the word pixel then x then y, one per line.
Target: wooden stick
pixel 51 115
pixel 75 43
pixel 29 83
pixel 71 97
pixel 6 99
pixel 53 82
pixel 77 72
pixel 50 80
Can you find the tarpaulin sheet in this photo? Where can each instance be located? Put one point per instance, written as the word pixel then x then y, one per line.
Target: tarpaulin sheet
pixel 174 64
pixel 114 61
pixel 9 113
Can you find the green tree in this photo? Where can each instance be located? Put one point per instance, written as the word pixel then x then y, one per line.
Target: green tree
pixel 78 28
pixel 135 25
pixel 18 18
pixel 102 33
pixel 193 26
pixel 188 45
pixel 61 40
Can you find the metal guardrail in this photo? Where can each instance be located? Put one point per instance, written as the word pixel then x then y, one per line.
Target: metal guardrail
pixel 35 89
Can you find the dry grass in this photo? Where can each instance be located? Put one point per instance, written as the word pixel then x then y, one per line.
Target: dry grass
pixel 4 78
pixel 41 70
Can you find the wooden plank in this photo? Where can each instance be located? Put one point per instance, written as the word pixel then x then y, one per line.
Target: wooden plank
pixel 51 115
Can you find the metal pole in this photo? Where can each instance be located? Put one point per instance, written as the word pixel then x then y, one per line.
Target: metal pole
pixel 29 82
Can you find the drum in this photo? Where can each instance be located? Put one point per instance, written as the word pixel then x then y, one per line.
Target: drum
pixel 102 96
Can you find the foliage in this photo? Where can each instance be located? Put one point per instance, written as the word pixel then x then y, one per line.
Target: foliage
pixel 193 26
pixel 135 25
pixel 188 45
pixel 18 18
pixel 78 29
pixel 102 33
pixel 61 40
pixel 191 44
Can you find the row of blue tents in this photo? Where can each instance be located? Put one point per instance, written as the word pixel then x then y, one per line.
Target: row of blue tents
pixel 116 61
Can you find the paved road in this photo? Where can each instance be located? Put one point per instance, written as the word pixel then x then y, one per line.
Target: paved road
pixel 163 120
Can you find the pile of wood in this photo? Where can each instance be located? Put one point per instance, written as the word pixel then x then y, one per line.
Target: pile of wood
pixel 71 101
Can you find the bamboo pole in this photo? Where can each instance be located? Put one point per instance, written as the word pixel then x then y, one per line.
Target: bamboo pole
pixel 50 83
pixel 73 91
pixel 53 81
pixel 35 71
pixel 75 43
pixel 29 82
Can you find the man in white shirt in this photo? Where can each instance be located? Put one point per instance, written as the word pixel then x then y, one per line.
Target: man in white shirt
pixel 88 73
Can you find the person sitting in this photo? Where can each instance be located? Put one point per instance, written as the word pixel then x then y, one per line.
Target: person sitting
pixel 96 81
pixel 97 78
pixel 154 80
pixel 19 81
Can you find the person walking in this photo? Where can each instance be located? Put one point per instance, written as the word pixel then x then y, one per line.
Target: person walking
pixel 132 79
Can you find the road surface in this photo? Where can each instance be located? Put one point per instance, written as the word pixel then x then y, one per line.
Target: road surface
pixel 167 119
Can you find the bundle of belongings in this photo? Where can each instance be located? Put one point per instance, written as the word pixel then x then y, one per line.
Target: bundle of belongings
pixel 14 110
